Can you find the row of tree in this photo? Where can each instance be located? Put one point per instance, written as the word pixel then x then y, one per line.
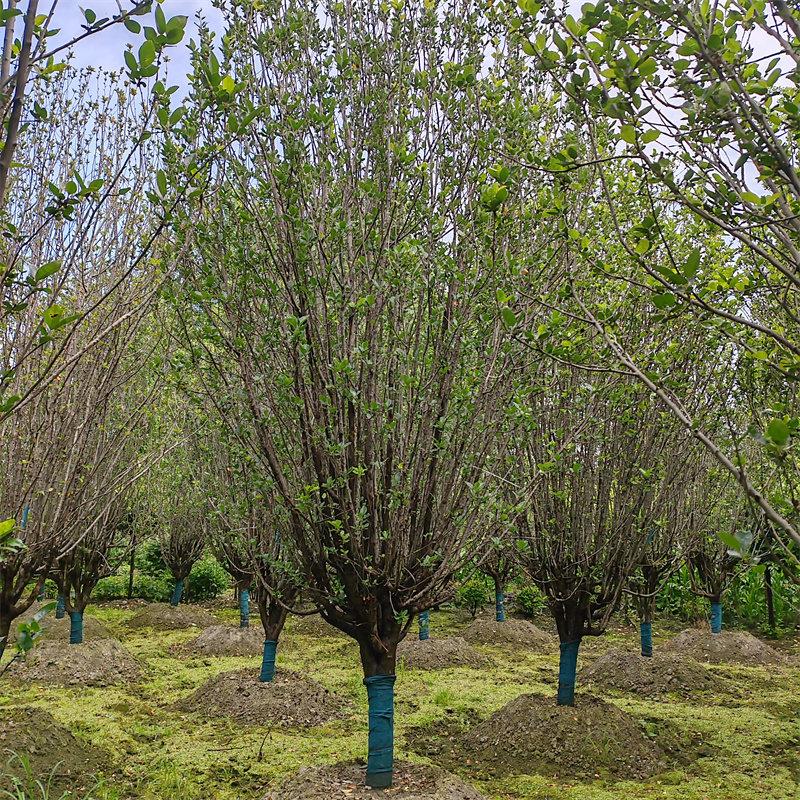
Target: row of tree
pixel 422 282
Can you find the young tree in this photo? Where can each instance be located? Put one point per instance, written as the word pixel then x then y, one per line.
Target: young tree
pixel 342 274
pixel 593 466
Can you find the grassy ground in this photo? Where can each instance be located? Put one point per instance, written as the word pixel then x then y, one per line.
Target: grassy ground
pixel 750 736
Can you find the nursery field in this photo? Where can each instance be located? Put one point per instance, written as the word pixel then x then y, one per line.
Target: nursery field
pixel 709 732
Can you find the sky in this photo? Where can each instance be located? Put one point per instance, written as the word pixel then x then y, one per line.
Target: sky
pixel 106 49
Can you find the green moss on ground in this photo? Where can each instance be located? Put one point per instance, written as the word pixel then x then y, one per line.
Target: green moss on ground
pixel 746 737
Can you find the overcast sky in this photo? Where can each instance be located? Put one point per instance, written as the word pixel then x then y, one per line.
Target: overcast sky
pixel 106 49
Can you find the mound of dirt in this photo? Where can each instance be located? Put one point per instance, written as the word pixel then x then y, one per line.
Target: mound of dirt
pixel 452 651
pixel 532 734
pixel 223 640
pixel 728 647
pixel 312 625
pixel 51 748
pixel 661 674
pixel 346 780
pixel 292 700
pixel 164 617
pixel 101 662
pixel 518 632
pixel 58 629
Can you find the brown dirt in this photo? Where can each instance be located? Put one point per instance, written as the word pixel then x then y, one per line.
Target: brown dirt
pixel 338 781
pixel 58 629
pixel 452 651
pixel 100 662
pixel 728 647
pixel 531 734
pixel 223 640
pixel 518 632
pixel 312 625
pixel 662 674
pixel 293 700
pixel 51 748
pixel 162 616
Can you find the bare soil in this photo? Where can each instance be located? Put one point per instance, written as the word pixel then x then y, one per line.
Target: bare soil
pixel 451 651
pixel 728 647
pixel 661 674
pixel 345 781
pixel 518 632
pixel 164 617
pixel 99 662
pixel 292 700
pixel 51 749
pixel 58 629
pixel 312 625
pixel 223 640
pixel 531 734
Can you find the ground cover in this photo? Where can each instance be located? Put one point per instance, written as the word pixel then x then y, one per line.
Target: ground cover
pixel 738 739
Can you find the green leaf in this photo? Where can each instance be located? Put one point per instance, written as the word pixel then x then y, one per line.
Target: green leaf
pixel 662 301
pixel 132 25
pixel 7 526
pixel 52 316
pixel 650 136
pixel 161 22
pixel 47 270
pixel 628 134
pixel 161 182
pixel 90 15
pixel 729 540
pixel 147 53
pixel 509 317
pixel 228 84
pixel 692 263
pixel 779 432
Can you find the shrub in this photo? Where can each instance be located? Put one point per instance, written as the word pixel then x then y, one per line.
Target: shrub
pixel 530 600
pixel 149 559
pixel 153 588
pixel 207 579
pixel 473 594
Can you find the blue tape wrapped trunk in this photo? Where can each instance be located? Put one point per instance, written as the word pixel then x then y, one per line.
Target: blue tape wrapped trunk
pixel 268 661
pixel 61 609
pixel 499 607
pixel 76 627
pixel 716 618
pixel 424 625
pixel 380 759
pixel 567 668
pixel 176 595
pixel 646 630
pixel 244 609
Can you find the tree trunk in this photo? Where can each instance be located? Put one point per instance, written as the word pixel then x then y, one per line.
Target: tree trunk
pixel 646 627
pixel 769 598
pixel 76 627
pixel 716 614
pixel 243 591
pixel 5 629
pixel 424 625
pixel 499 600
pixel 273 617
pixel 130 572
pixel 379 678
pixel 570 621
pixel 176 594
pixel 61 611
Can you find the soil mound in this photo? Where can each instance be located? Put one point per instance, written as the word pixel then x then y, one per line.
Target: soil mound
pixel 222 640
pixel 337 781
pixel 312 625
pixel 292 700
pixel 101 662
pixel 58 629
pixel 728 647
pixel 661 674
pixel 51 749
pixel 452 651
pixel 532 734
pixel 518 632
pixel 164 617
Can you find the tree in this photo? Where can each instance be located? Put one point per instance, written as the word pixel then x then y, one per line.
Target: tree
pixel 592 478
pixel 338 279
pixel 708 128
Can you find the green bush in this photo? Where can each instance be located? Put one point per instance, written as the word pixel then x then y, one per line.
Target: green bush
pixel 153 588
pixel 474 594
pixel 149 559
pixel 207 579
pixel 530 600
